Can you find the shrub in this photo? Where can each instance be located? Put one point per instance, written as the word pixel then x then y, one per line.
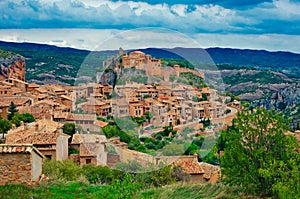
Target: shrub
pixel 124 137
pixel 97 174
pixel 61 170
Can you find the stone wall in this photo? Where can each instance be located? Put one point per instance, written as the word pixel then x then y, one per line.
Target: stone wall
pixel 112 159
pixel 75 158
pixel 15 168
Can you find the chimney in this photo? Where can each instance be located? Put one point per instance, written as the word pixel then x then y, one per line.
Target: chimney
pixel 23 125
pixel 13 126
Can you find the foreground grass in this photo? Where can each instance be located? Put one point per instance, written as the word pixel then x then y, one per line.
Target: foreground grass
pixel 194 191
pixel 81 190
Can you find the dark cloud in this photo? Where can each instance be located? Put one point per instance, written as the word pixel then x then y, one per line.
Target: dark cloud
pixel 256 17
pixel 224 3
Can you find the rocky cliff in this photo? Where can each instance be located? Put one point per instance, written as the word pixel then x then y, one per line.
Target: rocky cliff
pixel 12 66
pixel 286 100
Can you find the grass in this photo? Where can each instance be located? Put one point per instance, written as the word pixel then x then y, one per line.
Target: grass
pixel 72 190
pixel 194 191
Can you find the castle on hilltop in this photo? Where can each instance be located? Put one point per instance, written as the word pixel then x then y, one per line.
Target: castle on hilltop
pixel 141 61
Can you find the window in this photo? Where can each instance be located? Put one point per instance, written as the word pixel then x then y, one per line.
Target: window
pixel 49 157
pixel 88 161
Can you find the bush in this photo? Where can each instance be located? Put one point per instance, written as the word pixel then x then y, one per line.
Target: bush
pixel 97 174
pixel 126 188
pixel 124 137
pixel 61 170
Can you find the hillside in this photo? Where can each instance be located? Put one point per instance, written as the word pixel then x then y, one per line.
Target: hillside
pixel 50 64
pixel 62 64
pixel 286 62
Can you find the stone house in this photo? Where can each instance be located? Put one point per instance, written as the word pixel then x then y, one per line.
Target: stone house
pixel 96 106
pixel 18 84
pixel 45 135
pixel 19 101
pixel 88 122
pixel 5 90
pixel 31 87
pixel 91 148
pixel 66 101
pixel 120 108
pixel 20 164
pixel 136 109
pixel 191 167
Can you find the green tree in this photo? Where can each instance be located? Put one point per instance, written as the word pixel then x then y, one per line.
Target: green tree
pixel 259 157
pixel 26 118
pixel 4 126
pixel 110 131
pixel 148 116
pixel 69 128
pixel 124 137
pixel 12 111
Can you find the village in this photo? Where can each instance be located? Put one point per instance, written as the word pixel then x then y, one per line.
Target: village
pixel 95 106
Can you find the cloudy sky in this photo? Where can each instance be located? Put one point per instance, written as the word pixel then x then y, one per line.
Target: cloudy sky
pixel 90 24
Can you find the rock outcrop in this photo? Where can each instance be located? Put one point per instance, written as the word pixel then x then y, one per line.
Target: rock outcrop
pixel 12 67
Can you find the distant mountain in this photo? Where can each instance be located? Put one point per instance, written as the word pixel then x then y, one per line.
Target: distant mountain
pixel 61 64
pixel 52 64
pixel 285 62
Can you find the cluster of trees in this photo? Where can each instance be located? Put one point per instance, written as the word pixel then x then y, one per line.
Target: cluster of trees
pixel 181 62
pixel 146 177
pixel 191 79
pixel 258 156
pixel 13 117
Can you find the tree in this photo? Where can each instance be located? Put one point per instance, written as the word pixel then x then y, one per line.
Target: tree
pixel 4 126
pixel 148 116
pixel 12 111
pixel 259 157
pixel 69 128
pixel 124 137
pixel 26 118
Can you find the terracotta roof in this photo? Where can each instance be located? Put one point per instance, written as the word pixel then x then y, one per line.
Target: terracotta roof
pixel 61 115
pixel 94 102
pixel 41 132
pixel 17 80
pixel 88 138
pixel 189 166
pixel 41 90
pixel 66 97
pixel 209 169
pixel 89 149
pixel 17 100
pixel 33 85
pixel 48 102
pixel 40 96
pixel 19 148
pixel 101 124
pixel 84 117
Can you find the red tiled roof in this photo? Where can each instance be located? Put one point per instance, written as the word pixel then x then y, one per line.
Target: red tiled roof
pixel 189 166
pixel 101 124
pixel 18 148
pixel 40 132
pixel 18 101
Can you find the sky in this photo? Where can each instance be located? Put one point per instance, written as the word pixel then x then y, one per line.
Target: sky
pixel 106 24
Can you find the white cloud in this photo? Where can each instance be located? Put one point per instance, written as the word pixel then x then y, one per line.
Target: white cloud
pixel 94 39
